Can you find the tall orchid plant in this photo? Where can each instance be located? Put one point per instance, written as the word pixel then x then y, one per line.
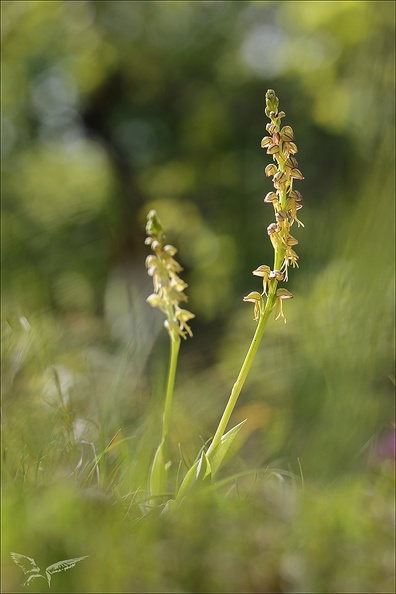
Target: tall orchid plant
pixel 169 293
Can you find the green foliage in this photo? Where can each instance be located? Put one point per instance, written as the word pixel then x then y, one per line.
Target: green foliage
pixel 220 452
pixel 111 109
pixel 197 477
pixel 158 473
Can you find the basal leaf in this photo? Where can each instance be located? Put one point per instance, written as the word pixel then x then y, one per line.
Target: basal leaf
pixel 217 456
pixel 198 476
pixel 158 473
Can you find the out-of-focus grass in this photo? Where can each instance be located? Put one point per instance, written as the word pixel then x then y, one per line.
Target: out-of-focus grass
pixel 326 530
pixel 264 535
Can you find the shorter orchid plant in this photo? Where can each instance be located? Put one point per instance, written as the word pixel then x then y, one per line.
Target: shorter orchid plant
pixel 169 293
pixel 167 296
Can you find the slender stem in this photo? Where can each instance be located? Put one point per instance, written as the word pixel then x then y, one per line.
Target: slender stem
pixel 237 387
pixel 279 235
pixel 175 346
pixel 246 365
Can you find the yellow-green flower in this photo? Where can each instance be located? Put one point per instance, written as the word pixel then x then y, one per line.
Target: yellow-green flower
pixel 281 294
pixel 254 297
pixel 168 286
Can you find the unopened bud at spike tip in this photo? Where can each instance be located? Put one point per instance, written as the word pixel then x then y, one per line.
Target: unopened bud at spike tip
pixel 272 101
pixel 153 226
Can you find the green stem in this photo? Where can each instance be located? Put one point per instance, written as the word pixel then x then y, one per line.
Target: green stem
pixel 237 387
pixel 246 365
pixel 175 346
pixel 264 315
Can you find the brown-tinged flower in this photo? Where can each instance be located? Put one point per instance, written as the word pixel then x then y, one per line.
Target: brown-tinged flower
pixel 284 170
pixel 264 272
pixel 254 297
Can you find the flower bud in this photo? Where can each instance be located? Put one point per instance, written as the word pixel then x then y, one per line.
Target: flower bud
pixel 287 133
pixel 291 162
pixel 273 228
pixel 272 149
pixel 270 197
pixel 152 270
pixel 151 261
pixel 270 170
pixel 272 128
pixel 296 173
pixel 169 249
pixel 290 147
pixel 266 141
pixel 271 101
pixel 154 300
pixel 295 195
pixel 280 177
pixel 153 226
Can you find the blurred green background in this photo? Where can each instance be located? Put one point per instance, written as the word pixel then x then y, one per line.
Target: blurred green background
pixel 110 109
